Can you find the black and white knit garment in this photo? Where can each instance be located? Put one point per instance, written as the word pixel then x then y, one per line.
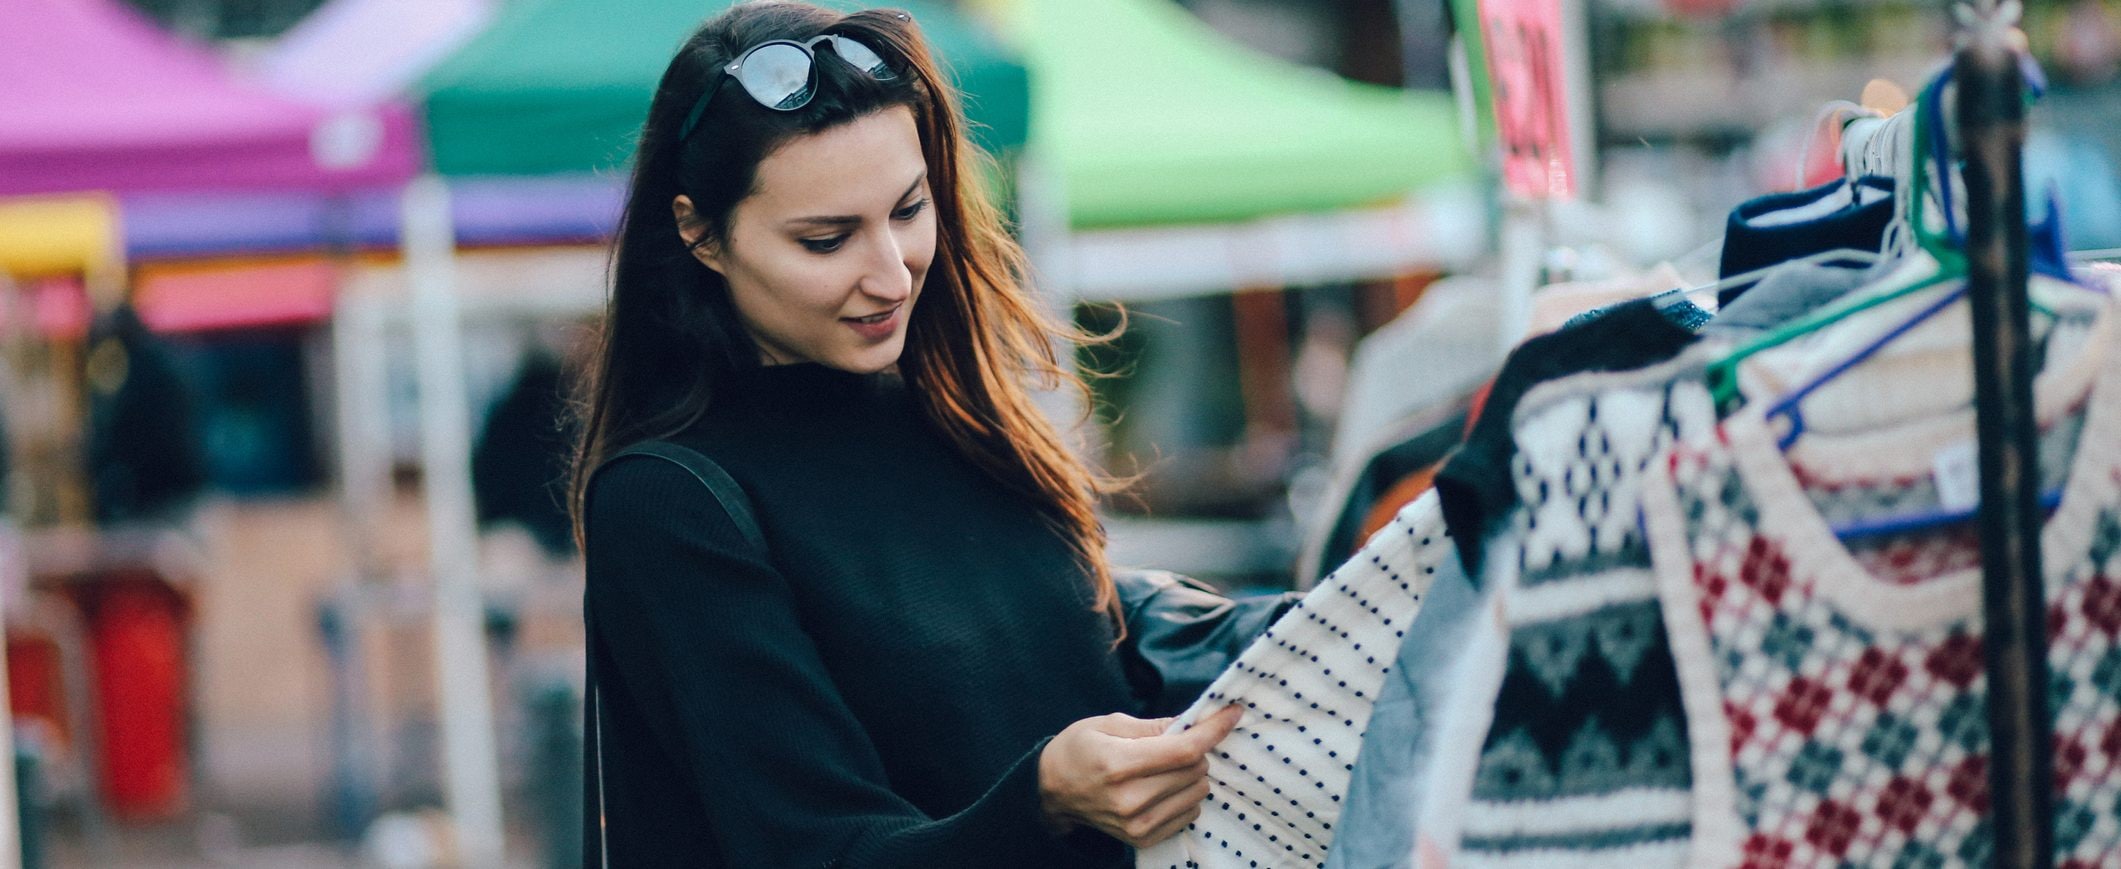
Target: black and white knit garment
pixel 1307 686
pixel 1564 743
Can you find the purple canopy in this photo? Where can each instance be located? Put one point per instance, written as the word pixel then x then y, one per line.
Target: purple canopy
pixel 486 211
pixel 97 98
pixel 354 52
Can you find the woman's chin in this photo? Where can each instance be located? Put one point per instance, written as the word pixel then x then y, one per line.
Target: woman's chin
pixel 869 360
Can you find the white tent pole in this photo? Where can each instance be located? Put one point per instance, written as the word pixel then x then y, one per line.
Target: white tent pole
pixel 15 312
pixel 361 362
pixel 10 812
pixel 1522 244
pixel 472 781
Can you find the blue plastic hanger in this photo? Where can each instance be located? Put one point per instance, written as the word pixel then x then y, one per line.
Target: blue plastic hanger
pixel 2047 255
pixel 2049 500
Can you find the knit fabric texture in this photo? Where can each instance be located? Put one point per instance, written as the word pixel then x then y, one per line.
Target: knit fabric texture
pixel 1567 737
pixel 1476 483
pixel 1307 687
pixel 1838 715
pixel 876 688
pixel 1587 752
pixel 1378 817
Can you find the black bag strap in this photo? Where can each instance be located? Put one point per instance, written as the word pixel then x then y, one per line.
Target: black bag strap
pixel 711 475
pixel 595 853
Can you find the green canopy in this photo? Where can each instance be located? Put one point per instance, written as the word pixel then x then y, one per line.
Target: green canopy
pixel 557 86
pixel 1153 118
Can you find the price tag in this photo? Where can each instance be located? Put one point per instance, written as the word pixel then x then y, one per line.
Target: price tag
pixel 1957 472
pixel 1525 55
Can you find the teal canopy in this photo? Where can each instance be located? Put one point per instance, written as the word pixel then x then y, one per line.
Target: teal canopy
pixel 1153 118
pixel 561 86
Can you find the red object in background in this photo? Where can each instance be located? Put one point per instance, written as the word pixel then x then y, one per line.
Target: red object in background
pixel 36 681
pixel 176 299
pixel 1823 151
pixel 136 627
pixel 1701 10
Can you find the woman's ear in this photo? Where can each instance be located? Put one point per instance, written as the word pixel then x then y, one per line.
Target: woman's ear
pixel 692 229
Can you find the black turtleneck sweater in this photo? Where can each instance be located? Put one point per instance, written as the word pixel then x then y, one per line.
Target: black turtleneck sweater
pixel 877 691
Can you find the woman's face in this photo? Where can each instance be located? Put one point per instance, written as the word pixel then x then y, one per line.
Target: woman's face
pixel 837 231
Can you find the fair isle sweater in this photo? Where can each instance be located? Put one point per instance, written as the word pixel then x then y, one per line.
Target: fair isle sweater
pixel 1836 701
pixel 1578 749
pixel 1563 743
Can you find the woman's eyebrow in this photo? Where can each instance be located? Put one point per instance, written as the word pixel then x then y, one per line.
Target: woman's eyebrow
pixel 849 219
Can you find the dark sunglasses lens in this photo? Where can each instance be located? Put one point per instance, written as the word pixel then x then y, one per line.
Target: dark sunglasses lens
pixel 777 75
pixel 862 57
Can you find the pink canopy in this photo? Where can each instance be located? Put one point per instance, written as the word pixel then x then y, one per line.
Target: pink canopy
pixel 98 98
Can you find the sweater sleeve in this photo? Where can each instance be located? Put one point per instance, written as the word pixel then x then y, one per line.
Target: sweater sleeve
pixel 708 643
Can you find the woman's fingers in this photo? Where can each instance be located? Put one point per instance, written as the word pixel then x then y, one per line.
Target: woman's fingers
pixel 1171 815
pixel 1176 826
pixel 1159 754
pixel 1126 776
pixel 1210 731
pixel 1129 727
pixel 1143 795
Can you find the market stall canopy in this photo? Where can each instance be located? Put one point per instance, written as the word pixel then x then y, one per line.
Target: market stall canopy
pixel 356 52
pixel 362 52
pixel 42 236
pixel 1150 117
pixel 557 86
pixel 559 209
pixel 244 295
pixel 97 98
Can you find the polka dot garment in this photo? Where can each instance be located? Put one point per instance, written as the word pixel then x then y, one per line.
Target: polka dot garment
pixel 1307 686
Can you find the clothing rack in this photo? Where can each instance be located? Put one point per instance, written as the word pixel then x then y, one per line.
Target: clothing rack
pixel 1990 115
pixel 1987 134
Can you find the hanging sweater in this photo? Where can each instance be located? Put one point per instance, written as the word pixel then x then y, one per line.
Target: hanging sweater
pixel 1836 702
pixel 1278 782
pixel 876 692
pixel 1563 742
pixel 1568 708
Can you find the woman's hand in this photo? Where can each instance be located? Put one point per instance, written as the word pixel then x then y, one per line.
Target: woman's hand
pixel 1122 775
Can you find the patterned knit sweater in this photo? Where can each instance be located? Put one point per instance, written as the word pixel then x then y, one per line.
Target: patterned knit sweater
pixel 1575 742
pixel 1565 734
pixel 1836 703
pixel 1307 686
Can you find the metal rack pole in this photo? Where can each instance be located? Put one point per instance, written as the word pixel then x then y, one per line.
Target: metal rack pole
pixel 1991 118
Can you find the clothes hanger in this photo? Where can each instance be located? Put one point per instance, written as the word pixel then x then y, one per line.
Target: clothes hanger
pixel 2046 257
pixel 1848 255
pixel 1925 255
pixel 2044 243
pixel 1835 115
pixel 1929 256
pixel 2045 246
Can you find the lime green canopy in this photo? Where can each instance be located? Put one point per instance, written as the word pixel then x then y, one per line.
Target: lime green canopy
pixel 1153 118
pixel 557 86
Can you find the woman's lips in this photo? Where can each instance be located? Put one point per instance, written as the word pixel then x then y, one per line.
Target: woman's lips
pixel 875 329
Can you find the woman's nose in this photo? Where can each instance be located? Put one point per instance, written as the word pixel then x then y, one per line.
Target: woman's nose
pixel 889 276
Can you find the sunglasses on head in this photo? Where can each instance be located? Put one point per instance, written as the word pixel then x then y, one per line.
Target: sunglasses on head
pixel 781 74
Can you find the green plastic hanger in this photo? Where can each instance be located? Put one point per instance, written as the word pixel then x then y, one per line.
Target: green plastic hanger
pixel 1933 260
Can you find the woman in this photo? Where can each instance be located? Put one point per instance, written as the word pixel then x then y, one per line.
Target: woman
pixel 811 290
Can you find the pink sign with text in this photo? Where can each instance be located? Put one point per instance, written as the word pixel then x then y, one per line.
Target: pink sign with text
pixel 1526 71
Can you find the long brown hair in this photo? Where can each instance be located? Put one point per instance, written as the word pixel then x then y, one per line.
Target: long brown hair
pixel 975 344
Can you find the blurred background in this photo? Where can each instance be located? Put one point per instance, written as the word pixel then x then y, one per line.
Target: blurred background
pixel 290 291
